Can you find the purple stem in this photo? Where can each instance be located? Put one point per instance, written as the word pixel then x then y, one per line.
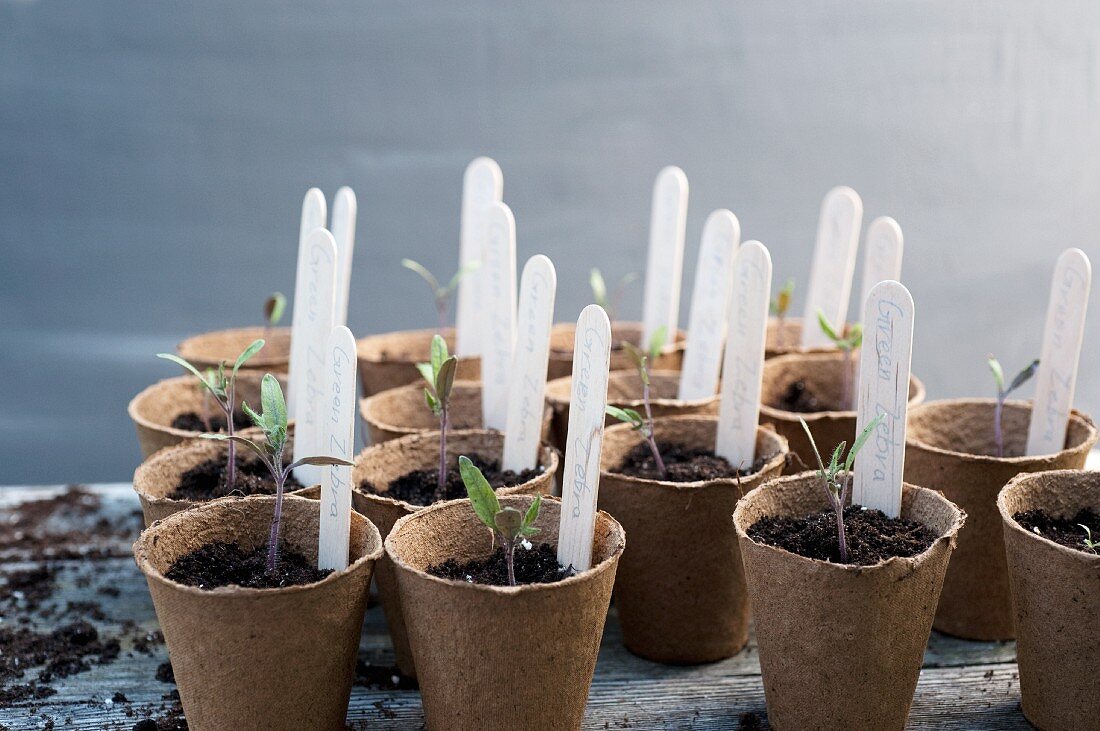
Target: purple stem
pixel 649 431
pixel 441 310
pixel 510 560
pixel 842 533
pixel 997 436
pixel 441 485
pixel 231 459
pixel 273 539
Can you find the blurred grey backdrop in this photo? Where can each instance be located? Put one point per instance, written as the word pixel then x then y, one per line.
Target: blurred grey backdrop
pixel 153 157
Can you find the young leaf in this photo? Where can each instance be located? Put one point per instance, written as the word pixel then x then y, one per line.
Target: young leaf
pixel 445 379
pixel 806 428
pixel 629 416
pixel 427 373
pixel 860 441
pixel 998 373
pixel 532 515
pixel 855 336
pixel 319 462
pixel 838 454
pixel 463 270
pixel 273 308
pixel 599 288
pixel 509 522
pixel 421 270
pixel 1022 377
pixel 657 341
pixel 438 353
pixel 180 361
pixel 271 398
pixel 481 494
pixel 250 351
pixel 432 402
pixel 240 440
pixel 826 327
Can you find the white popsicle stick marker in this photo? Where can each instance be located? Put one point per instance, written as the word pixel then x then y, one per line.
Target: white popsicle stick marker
pixel 739 410
pixel 527 385
pixel 482 185
pixel 1058 361
pixel 344 211
pixel 665 261
pixel 709 306
pixel 833 264
pixel 884 389
pixel 314 216
pixel 498 314
pixel 338 440
pixel 882 250
pixel 314 307
pixel 584 440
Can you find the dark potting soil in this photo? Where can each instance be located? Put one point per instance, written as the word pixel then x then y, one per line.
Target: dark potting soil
pixel 872 537
pixel 65 651
pixel 419 486
pixel 800 399
pixel 684 464
pixel 1063 531
pixel 537 565
pixel 207 480
pixel 223 564
pixel 190 421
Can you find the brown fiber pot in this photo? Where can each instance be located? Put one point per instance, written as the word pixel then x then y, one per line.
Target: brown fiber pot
pixel 209 349
pixel 381 464
pixel 841 646
pixel 259 658
pixel 946 448
pixel 153 410
pixel 500 657
pixel 788 338
pixel 1056 600
pixel 389 360
pixel 401 411
pixel 624 389
pixel 680 590
pixel 822 373
pixel 159 476
pixel 561 349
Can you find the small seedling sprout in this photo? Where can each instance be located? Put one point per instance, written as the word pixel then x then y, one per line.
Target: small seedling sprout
pixel 1090 544
pixel 273 423
pixel 599 291
pixel 440 375
pixel 509 525
pixel 441 294
pixel 224 391
pixel 847 343
pixel 274 306
pixel 1002 394
pixel 629 416
pixel 837 477
pixel 780 304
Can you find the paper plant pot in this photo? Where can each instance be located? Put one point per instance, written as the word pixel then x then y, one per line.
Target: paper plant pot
pixel 624 389
pixel 500 657
pixel 680 589
pixel 153 410
pixel 1056 601
pixel 259 658
pixel 381 464
pixel 561 349
pixel 209 349
pixel 823 374
pixel 389 360
pixel 401 411
pixel 841 646
pixel 946 448
pixel 156 478
pixel 788 338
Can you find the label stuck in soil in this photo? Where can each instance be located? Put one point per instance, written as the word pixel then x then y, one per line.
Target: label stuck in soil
pixel 584 440
pixel 709 306
pixel 314 216
pixel 338 440
pixel 482 185
pixel 498 314
pixel 665 262
pixel 523 426
pixel 883 247
pixel 344 209
pixel 833 264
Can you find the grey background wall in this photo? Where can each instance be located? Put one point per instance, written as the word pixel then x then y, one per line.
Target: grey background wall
pixel 153 156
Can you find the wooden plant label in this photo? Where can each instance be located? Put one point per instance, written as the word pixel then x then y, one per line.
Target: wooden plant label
pixel 523 427
pixel 338 440
pixel 882 255
pixel 709 306
pixel 833 264
pixel 1062 336
pixel 743 368
pixel 344 211
pixel 498 314
pixel 314 216
pixel 584 440
pixel 314 305
pixel 665 261
pixel 884 389
pixel 482 185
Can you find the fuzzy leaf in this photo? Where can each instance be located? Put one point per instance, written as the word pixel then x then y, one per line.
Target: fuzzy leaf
pixel 532 515
pixel 257 419
pixel 508 522
pixel 599 288
pixel 273 308
pixel 826 328
pixel 1022 377
pixel 806 428
pixel 657 341
pixel 423 272
pixel 432 402
pixel 861 440
pixel 427 373
pixel 250 351
pixel 438 353
pixel 445 379
pixel 240 440
pixel 998 374
pixel 319 462
pixel 628 416
pixel 180 361
pixel 838 454
pixel 481 494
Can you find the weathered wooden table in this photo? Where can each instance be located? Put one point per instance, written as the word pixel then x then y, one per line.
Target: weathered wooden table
pixel 84 537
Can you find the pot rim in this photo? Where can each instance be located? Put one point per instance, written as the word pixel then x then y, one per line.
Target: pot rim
pixel 913 441
pixel 582 576
pixel 141 549
pixel 256 362
pixel 133 408
pixel 777 460
pixel 367 406
pixel 817 564
pixel 566 326
pixel 556 401
pixel 362 343
pixel 1011 523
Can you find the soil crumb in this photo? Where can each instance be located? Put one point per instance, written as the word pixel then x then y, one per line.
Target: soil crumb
pixel 684 464
pixel 69 525
pixel 1063 531
pixel 207 481
pixel 537 565
pixel 70 649
pixel 419 486
pixel 225 564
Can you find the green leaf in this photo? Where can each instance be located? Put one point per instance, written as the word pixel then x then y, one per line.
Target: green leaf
pixel 826 328
pixel 422 271
pixel 274 415
pixel 861 440
pixel 257 419
pixel 855 336
pixel 240 440
pixel 628 416
pixel 432 402
pixel 998 374
pixel 806 428
pixel 319 462
pixel 250 351
pixel 599 288
pixel 445 379
pixel 838 454
pixel 180 361
pixel 438 353
pixel 1023 376
pixel 657 341
pixel 427 373
pixel 273 308
pixel 532 515
pixel 482 497
pixel 467 268
pixel 508 522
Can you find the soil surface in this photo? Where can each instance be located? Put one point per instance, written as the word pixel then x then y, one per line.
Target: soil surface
pixel 67 525
pixel 872 537
pixel 190 421
pixel 684 464
pixel 206 481
pixel 537 565
pixel 800 399
pixel 67 650
pixel 1063 531
pixel 419 486
pixel 224 564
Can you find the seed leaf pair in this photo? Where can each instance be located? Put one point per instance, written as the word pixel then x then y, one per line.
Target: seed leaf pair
pixel 440 294
pixel 508 524
pixel 1002 394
